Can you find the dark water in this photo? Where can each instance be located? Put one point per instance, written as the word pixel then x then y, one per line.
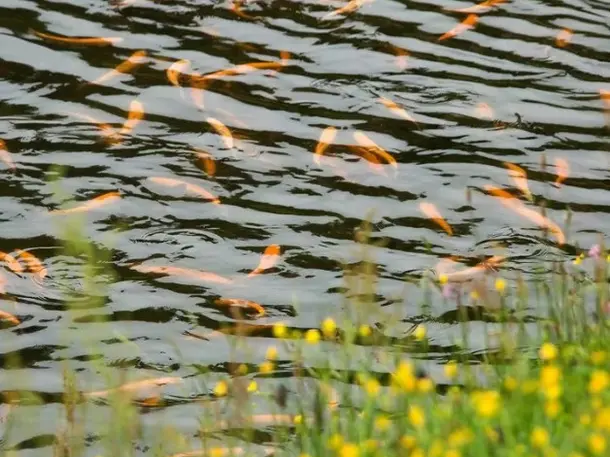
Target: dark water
pixel 545 104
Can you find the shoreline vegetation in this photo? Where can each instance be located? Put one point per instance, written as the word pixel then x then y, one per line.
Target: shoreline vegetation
pixel 544 394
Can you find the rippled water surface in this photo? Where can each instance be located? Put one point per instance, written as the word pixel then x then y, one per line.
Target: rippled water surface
pixel 504 91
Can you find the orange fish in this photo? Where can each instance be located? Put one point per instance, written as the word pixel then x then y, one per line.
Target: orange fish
pixel 136 385
pixel 223 131
pixel 236 8
pixel 243 69
pixel 11 262
pixel 481 7
pixel 430 210
pixel 78 41
pixel 402 56
pixel 605 96
pixel 326 138
pixel 33 263
pixel 5 156
pixel 91 204
pixel 563 170
pixel 200 191
pixel 111 136
pixel 372 160
pixel 2 284
pixel 519 177
pixel 176 70
pixel 394 108
pixel 135 115
pixel 466 24
pixel 470 273
pixel 245 304
pixel 8 317
pixel 186 272
pixel 268 260
pixel 208 162
pixel 511 202
pixel 563 38
pixel 484 111
pixel 137 58
pixel 366 142
pixel 197 92
pixel 352 6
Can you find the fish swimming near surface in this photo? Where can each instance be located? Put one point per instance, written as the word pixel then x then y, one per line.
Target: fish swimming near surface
pixel 97 202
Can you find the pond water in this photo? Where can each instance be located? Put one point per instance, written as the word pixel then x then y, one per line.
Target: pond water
pixel 516 88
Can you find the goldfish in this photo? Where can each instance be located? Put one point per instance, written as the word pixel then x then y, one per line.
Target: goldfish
pixel 484 111
pixel 519 177
pixel 197 92
pixel 200 191
pixel 563 38
pixel 605 96
pixel 136 385
pixel 8 317
pixel 137 58
pixel 432 212
pixel 402 56
pixel 467 24
pixel 511 202
pixel 11 262
pixel 268 260
pixel 78 41
pixel 366 142
pixel 236 8
pixel 471 273
pixel 208 162
pixel 481 7
pixel 33 263
pixel 97 202
pixel 108 132
pixel 186 272
pixel 327 136
pixel 372 159
pixel 563 170
pixel 134 116
pixel 5 156
pixel 244 304
pixel 176 70
pixel 223 130
pixel 243 68
pixel 394 108
pixel 352 6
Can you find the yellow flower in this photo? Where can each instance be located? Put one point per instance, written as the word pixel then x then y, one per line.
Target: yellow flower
pixel 443 279
pixel 298 419
pixel 599 381
pixel 217 452
pixel 548 351
pixel 451 369
pixel 500 285
pixel 486 403
pixel 280 330
pixel 252 387
pixel 335 441
pixel 382 423
pixel 242 369
pixel 552 408
pixel 453 453
pixel 553 392
pixel 266 367
pixel 329 327
pixel 575 454
pixel 408 441
pixel 510 383
pixel 364 331
pixel 578 260
pixel 221 389
pixel 420 332
pixel 304 455
pixel 417 452
pixel 550 375
pixel 312 336
pixel 598 357
pixel 460 437
pixel 417 417
pixel 540 437
pixel 271 353
pixel 436 449
pixel 372 387
pixel 370 445
pixel 474 295
pixel 425 385
pixel 597 444
pixel 602 419
pixel 349 450
pixel 404 377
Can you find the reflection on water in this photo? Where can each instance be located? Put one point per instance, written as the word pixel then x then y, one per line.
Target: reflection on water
pixel 412 109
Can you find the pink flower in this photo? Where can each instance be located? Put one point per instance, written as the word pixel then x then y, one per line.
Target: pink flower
pixel 595 251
